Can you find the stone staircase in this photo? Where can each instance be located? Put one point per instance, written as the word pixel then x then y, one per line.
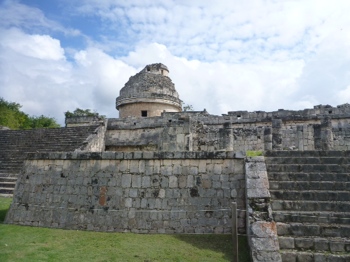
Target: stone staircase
pixel 15 144
pixel 310 194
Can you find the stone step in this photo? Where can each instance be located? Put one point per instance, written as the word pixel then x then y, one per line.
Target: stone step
pixel 7 184
pixel 297 256
pixel 311 217
pixel 312 185
pixel 316 177
pixel 319 195
pixel 311 153
pixel 7 175
pixel 5 190
pixel 292 168
pixel 315 230
pixel 336 206
pixel 6 195
pixel 307 160
pixel 333 245
pixel 11 162
pixel 8 179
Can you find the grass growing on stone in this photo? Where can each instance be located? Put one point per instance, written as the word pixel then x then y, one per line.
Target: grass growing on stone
pixel 21 243
pixel 254 153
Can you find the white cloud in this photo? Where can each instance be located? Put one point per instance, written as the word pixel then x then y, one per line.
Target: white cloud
pixel 205 29
pixel 222 56
pixel 15 14
pixel 36 46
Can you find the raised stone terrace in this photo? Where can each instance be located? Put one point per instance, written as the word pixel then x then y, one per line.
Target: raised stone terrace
pixel 15 144
pixel 310 194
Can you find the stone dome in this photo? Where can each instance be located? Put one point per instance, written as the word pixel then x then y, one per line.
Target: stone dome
pixel 148 93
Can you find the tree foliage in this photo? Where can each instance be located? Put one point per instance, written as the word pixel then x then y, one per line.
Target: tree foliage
pixel 188 108
pixel 82 112
pixel 12 117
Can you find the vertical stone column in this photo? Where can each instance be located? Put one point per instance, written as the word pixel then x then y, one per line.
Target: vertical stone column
pixel 276 134
pixel 261 229
pixel 188 134
pixel 300 138
pixel 226 137
pixel 323 134
pixel 267 138
pixel 326 133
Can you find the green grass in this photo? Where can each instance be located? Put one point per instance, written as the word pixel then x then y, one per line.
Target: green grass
pixel 4 206
pixel 254 153
pixel 21 243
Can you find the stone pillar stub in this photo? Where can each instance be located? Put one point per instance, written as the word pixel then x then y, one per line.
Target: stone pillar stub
pixel 276 134
pixel 323 134
pixel 226 135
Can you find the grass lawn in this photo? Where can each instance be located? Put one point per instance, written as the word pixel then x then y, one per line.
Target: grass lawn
pixel 21 243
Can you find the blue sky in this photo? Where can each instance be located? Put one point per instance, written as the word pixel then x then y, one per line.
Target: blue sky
pixel 250 55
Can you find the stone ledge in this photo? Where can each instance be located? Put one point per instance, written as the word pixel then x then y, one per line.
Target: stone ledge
pixel 136 155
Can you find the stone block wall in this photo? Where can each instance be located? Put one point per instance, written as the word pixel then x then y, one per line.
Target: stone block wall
pixel 152 109
pixel 321 128
pixel 142 192
pixel 261 228
pixel 95 142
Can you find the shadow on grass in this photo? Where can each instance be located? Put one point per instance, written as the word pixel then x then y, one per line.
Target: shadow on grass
pixel 219 243
pixel 3 215
pixel 4 207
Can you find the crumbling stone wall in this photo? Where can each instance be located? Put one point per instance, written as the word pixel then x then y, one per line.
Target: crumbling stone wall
pixel 95 142
pixel 142 192
pixel 321 128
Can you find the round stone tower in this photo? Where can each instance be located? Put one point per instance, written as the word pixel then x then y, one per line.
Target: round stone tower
pixel 148 93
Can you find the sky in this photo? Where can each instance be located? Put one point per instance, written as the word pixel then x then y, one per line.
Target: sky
pixel 254 55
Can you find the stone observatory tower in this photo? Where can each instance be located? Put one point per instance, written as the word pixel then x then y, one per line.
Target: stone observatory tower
pixel 148 93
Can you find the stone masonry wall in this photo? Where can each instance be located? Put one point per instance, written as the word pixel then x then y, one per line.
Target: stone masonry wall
pixel 142 192
pixel 95 142
pixel 321 128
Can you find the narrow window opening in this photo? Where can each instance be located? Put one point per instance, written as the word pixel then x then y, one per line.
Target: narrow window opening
pixel 162 72
pixel 148 69
pixel 330 111
pixel 144 113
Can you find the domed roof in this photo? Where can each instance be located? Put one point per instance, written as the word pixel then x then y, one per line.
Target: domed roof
pixel 151 84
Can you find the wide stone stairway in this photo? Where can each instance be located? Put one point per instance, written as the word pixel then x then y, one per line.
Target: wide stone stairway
pixel 310 194
pixel 15 144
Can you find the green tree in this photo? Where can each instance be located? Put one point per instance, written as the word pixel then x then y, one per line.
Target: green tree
pixel 82 112
pixel 12 117
pixel 188 108
pixel 43 122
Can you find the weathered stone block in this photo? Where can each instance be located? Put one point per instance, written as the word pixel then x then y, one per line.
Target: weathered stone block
pixel 286 242
pixel 136 181
pixel 266 256
pixel 263 229
pixel 264 244
pixel 307 257
pixel 182 181
pixel 321 244
pixel 283 229
pixel 173 181
pixel 337 246
pixel 126 180
pixel 304 243
pixel 128 202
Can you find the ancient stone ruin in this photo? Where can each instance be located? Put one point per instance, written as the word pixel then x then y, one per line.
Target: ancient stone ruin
pixel 156 169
